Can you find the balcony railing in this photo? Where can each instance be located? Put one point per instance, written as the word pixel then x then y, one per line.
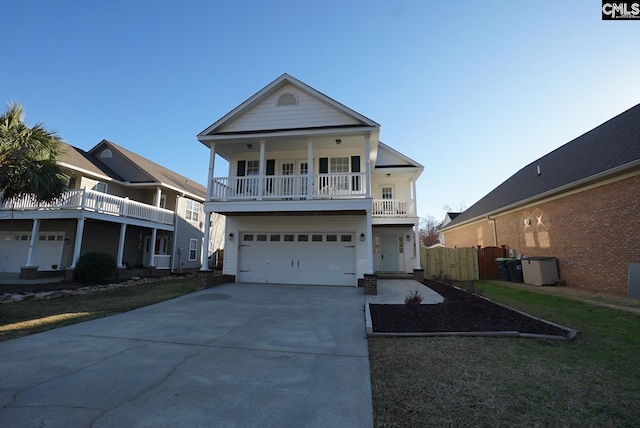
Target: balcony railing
pixel 82 199
pixel 393 208
pixel 289 187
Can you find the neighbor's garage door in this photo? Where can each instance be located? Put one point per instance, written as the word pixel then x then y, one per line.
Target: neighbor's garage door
pixel 297 258
pixel 14 248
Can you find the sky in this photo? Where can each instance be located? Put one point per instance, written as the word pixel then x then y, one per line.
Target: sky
pixel 472 90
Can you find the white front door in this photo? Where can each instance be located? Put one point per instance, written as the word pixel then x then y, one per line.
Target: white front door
pixel 294 186
pixel 297 258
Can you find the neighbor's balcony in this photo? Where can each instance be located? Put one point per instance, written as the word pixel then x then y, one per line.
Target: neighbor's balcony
pixel 388 208
pixel 89 200
pixel 318 186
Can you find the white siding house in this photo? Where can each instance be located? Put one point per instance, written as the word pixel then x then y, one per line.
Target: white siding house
pixel 311 195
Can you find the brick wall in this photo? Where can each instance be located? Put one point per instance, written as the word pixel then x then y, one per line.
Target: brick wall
pixel 595 234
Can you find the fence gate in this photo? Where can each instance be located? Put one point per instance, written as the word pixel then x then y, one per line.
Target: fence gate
pixel 487 261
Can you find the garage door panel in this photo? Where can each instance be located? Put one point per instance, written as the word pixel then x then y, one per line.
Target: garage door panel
pixel 303 258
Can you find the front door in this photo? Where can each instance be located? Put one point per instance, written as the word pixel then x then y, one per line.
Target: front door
pixel 294 186
pixel 389 254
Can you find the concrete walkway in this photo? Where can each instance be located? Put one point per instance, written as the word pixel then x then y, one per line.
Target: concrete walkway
pixel 236 355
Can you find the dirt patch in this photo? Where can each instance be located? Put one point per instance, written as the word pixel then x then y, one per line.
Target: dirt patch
pixel 461 311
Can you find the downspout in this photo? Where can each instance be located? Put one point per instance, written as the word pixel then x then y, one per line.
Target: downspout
pixel 495 232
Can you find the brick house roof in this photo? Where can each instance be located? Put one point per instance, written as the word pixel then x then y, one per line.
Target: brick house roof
pixel 613 147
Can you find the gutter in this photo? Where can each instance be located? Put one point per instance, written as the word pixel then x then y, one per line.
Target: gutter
pixel 610 172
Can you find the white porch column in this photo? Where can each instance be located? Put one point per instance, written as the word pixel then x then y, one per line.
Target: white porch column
pixel 414 195
pixel 34 238
pixel 212 162
pixel 158 195
pixel 152 249
pixel 78 242
pixel 261 171
pixel 367 165
pixel 310 169
pixel 416 242
pixel 369 243
pixel 204 254
pixel 123 231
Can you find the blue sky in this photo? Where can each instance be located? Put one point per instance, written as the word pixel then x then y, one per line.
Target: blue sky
pixel 473 90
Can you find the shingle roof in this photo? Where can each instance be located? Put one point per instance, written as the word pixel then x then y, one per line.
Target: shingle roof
pixel 159 173
pixel 78 158
pixel 606 148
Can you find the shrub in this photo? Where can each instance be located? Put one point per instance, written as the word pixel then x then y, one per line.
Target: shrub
pixel 95 268
pixel 413 301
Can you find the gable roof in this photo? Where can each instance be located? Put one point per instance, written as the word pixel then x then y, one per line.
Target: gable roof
pixel 388 157
pixel 157 174
pixel 89 162
pixel 217 128
pixel 609 149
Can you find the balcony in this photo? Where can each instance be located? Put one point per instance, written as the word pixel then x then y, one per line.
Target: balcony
pixel 393 208
pixel 284 187
pixel 89 200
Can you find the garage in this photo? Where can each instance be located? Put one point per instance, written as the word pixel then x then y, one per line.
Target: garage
pixel 297 258
pixel 14 248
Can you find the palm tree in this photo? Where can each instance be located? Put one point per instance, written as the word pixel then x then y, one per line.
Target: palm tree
pixel 28 160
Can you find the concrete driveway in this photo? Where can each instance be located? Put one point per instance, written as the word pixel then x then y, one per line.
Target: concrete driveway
pixel 236 355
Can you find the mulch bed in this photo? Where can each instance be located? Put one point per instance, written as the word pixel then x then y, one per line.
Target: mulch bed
pixel 461 311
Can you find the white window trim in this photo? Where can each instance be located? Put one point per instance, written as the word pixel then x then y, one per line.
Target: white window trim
pixel 193 248
pixel 191 210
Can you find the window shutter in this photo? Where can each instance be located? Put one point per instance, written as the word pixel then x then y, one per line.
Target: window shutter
pixel 242 168
pixel 324 165
pixel 271 166
pixel 355 167
pixel 355 163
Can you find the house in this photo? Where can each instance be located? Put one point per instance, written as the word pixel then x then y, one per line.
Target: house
pixel 118 202
pixel 311 195
pixel 448 218
pixel 580 204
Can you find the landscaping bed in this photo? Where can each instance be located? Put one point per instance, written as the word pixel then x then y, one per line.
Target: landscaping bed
pixel 461 311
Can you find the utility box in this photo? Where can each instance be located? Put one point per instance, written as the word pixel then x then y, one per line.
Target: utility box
pixel 540 270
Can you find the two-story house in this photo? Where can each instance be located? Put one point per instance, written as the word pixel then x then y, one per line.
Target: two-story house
pixel 311 195
pixel 118 202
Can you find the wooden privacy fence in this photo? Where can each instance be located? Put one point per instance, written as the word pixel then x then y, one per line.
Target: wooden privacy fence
pixel 459 264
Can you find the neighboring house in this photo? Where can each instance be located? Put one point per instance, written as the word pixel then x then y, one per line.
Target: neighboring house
pixel 448 218
pixel 311 195
pixel 118 202
pixel 580 203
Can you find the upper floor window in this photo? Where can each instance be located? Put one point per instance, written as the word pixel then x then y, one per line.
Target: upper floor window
pixel 192 210
pixel 339 165
pixel 287 99
pixel 100 187
pixel 253 167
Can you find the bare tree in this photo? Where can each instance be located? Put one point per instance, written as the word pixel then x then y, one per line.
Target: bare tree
pixel 429 231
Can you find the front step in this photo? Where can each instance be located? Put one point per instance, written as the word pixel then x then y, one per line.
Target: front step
pixel 394 275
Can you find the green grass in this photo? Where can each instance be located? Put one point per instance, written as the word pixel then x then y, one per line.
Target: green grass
pixel 590 381
pixel 29 317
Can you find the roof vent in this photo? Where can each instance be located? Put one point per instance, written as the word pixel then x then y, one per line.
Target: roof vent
pixel 539 172
pixel 287 99
pixel 106 154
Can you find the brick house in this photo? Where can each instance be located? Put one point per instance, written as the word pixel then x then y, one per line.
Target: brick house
pixel 580 203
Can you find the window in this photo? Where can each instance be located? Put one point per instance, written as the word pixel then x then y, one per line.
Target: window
pixel 287 99
pixel 261 238
pixel 248 238
pixel 253 167
pixel 332 238
pixel 100 187
pixel 345 238
pixel 192 210
pixel 400 245
pixel 193 249
pixel 387 192
pixel 288 238
pixel 316 238
pixel 303 238
pixel 106 154
pixel 339 165
pixel 275 238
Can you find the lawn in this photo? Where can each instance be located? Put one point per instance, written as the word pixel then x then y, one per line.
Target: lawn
pixel 24 318
pixel 465 381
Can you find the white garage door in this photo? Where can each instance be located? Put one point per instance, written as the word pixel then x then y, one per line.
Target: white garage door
pixel 297 258
pixel 14 247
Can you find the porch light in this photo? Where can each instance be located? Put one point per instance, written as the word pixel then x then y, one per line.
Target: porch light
pixel 249 146
pixel 362 236
pixel 231 236
pixel 408 238
pixel 388 175
pixel 338 141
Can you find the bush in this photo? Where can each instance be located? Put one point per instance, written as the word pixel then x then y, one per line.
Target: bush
pixel 413 301
pixel 95 268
